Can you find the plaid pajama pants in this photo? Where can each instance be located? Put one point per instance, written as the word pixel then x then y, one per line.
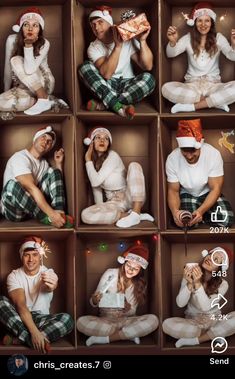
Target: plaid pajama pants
pixel 126 91
pixel 18 204
pixel 178 327
pixel 119 201
pixel 191 203
pixel 191 92
pixel 130 327
pixel 52 326
pixel 21 96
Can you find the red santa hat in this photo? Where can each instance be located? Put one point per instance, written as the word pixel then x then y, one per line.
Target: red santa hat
pixel 189 134
pixel 225 254
pixel 45 130
pixel 99 129
pixel 28 14
pixel 137 253
pixel 34 243
pixel 103 12
pixel 201 9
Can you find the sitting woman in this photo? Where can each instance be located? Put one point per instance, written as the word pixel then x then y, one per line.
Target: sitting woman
pixel 119 321
pixel 27 78
pixel 202 87
pixel 200 289
pixel 106 171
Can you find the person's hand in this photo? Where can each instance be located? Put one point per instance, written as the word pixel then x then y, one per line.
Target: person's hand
pixel 197 217
pixel 38 341
pixel 57 218
pixel 127 306
pixel 88 155
pixel 197 274
pixel 233 38
pixel 172 35
pixel 188 274
pixel 59 157
pixel 143 36
pixel 49 279
pixel 96 297
pixel 176 217
pixel 117 39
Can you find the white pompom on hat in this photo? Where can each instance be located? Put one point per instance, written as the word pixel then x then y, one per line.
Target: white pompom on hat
pixel 28 14
pixel 99 129
pixel 136 253
pixel 45 130
pixel 218 249
pixel 199 10
pixel 102 12
pixel 189 134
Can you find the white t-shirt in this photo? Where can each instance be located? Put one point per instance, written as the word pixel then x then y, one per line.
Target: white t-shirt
pixel 193 178
pixel 22 163
pixel 36 300
pixel 98 49
pixel 110 177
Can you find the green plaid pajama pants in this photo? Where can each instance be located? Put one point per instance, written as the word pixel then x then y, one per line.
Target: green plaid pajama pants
pixel 19 205
pixel 53 326
pixel 191 203
pixel 126 91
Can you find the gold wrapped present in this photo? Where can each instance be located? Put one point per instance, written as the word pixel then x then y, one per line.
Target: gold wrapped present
pixel 133 27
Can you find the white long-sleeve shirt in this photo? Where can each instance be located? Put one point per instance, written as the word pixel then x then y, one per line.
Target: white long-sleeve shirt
pixel 203 65
pixel 129 295
pixel 198 301
pixel 31 63
pixel 110 177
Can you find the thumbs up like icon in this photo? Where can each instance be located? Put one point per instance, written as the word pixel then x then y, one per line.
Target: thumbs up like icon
pixel 219 215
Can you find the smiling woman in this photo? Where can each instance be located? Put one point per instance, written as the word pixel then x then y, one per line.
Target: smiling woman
pixel 118 321
pixel 200 287
pixel 202 87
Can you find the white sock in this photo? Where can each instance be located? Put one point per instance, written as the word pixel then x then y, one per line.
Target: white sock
pixel 121 112
pixel 136 340
pixel 42 105
pixel 132 219
pixel 183 108
pixel 224 107
pixel 146 217
pixel 187 342
pixel 97 340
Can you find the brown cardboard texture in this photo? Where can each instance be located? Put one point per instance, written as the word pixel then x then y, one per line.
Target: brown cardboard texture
pixel 94 257
pixel 138 144
pixel 58 31
pixel 61 260
pixel 16 136
pixel 83 36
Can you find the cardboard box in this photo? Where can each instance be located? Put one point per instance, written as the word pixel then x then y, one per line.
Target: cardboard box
pixel 133 27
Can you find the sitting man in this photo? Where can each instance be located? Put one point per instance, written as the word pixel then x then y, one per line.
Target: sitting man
pixel 30 290
pixel 33 189
pixel 195 178
pixel 109 74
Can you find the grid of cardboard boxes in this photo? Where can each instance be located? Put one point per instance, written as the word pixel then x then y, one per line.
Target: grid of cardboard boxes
pixel 78 256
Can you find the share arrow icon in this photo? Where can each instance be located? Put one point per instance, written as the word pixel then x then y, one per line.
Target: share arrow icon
pixel 216 302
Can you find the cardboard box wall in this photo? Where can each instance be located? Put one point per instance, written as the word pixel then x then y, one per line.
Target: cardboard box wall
pixel 134 143
pixel 212 127
pixel 62 245
pixel 173 260
pixel 18 134
pixel 83 36
pixel 174 69
pixel 58 30
pixel 92 261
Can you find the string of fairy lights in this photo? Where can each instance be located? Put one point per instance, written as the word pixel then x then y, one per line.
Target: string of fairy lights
pixel 121 245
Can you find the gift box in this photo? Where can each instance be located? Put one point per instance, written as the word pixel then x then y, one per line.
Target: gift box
pixel 133 27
